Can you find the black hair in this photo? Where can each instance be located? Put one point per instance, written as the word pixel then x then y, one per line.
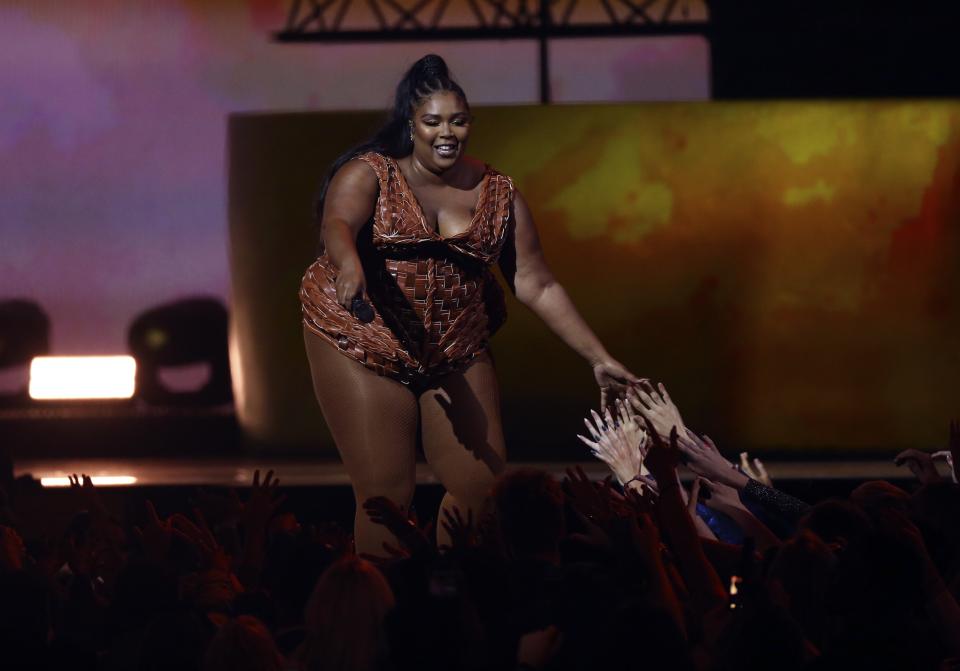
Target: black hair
pixel 427 76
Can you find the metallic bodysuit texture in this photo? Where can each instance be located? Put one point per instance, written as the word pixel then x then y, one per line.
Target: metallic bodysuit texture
pixel 436 300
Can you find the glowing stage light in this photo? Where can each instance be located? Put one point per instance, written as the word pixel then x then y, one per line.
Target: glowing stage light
pixel 98 481
pixel 82 377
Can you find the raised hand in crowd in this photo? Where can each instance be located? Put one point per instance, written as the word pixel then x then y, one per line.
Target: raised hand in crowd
pixel 89 496
pixel 645 540
pixel 218 509
pixel 12 551
pixel 755 470
pixel 156 535
pixel 923 464
pixel 620 442
pixel 108 531
pixel 703 458
pixel 920 463
pixel 537 648
pixel 461 531
pixel 214 586
pixel 954 449
pixel 952 454
pixel 940 604
pixel 263 502
pixel 198 534
pixel 726 499
pixel 405 527
pixel 99 552
pixel 663 457
pixel 596 501
pixel 662 460
pixel 655 405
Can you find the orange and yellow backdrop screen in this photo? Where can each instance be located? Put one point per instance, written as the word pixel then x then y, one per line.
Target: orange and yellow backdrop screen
pixel 788 270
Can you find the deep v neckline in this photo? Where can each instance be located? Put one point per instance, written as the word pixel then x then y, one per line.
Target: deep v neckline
pixel 435 232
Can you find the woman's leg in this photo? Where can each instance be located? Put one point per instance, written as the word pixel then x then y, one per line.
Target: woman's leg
pixel 373 420
pixel 463 437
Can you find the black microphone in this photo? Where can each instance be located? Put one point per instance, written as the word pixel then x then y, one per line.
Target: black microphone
pixel 361 309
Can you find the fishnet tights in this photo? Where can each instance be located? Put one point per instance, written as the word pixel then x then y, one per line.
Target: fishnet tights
pixel 374 422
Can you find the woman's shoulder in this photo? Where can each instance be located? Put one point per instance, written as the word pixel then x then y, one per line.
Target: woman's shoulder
pixel 501 181
pixel 374 159
pixel 357 175
pixel 368 166
pixel 482 169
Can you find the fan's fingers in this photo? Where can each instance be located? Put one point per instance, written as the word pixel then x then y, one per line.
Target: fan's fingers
pixel 607 418
pixel 204 527
pixel 589 443
pixel 598 420
pixel 592 431
pixel 152 512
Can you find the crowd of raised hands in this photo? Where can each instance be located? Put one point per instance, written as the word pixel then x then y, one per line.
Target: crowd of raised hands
pixel 680 559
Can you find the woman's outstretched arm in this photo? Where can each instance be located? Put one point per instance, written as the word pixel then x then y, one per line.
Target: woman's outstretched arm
pixel 349 204
pixel 534 285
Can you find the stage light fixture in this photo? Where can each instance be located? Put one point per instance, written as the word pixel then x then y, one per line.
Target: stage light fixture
pixel 176 341
pixel 98 481
pixel 82 377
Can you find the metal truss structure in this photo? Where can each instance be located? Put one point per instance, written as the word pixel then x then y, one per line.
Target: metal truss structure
pixel 413 20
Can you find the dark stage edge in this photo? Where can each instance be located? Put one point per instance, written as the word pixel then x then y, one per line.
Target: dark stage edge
pixel 238 471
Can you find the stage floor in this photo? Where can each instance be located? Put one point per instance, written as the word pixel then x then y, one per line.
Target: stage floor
pixel 301 472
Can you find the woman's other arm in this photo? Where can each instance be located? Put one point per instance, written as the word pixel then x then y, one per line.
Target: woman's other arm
pixel 349 204
pixel 534 285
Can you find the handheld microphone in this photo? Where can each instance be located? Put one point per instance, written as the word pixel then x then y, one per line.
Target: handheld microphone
pixel 361 309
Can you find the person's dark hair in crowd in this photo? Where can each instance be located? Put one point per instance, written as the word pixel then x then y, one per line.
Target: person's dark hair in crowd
pixel 345 617
pixel 242 644
pixel 529 510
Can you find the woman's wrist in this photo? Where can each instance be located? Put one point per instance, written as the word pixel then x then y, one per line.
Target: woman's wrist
pixel 597 357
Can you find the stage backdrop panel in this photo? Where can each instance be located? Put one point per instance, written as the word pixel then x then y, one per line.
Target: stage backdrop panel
pixel 788 270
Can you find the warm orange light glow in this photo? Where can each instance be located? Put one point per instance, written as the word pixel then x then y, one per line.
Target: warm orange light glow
pixel 82 377
pixel 98 481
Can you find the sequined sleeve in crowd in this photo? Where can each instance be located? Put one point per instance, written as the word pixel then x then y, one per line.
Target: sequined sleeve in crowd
pixel 778 510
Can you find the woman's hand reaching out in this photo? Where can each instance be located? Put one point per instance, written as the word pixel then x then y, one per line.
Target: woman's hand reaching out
pixel 614 380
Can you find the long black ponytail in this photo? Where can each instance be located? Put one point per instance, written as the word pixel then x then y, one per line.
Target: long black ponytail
pixel 428 75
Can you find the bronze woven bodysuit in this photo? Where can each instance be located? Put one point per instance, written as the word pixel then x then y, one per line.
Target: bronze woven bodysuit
pixel 436 302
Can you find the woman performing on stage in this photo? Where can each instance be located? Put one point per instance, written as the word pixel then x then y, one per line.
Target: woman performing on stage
pixel 399 308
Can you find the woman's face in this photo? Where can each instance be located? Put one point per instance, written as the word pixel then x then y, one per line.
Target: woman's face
pixel 441 125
